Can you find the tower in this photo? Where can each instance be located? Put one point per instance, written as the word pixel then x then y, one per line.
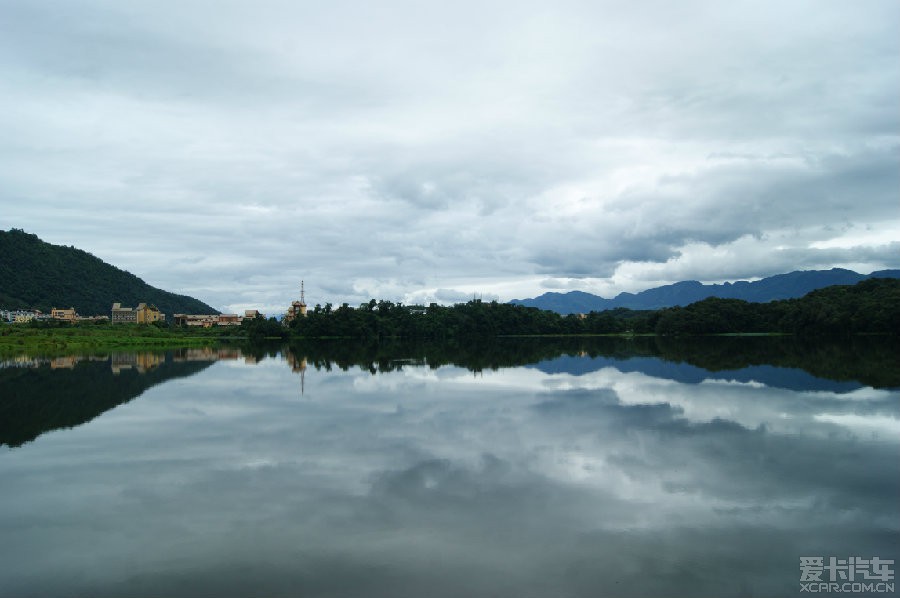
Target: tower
pixel 297 308
pixel 302 301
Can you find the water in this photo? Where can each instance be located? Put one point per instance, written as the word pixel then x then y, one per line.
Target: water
pixel 517 468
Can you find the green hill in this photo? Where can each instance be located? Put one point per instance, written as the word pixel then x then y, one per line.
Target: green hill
pixel 38 275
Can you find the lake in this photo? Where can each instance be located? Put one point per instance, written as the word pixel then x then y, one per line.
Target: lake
pixel 517 467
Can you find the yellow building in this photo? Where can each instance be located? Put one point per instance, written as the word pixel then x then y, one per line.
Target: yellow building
pixel 142 314
pixel 67 315
pixel 147 314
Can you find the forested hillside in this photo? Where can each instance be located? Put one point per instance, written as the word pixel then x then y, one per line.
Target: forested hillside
pixel 38 275
pixel 871 306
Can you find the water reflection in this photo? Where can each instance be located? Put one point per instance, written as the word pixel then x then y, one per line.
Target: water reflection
pixel 797 363
pixel 593 471
pixel 39 394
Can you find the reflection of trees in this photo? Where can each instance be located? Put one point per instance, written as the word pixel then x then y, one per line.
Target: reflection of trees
pixel 393 355
pixel 35 400
pixel 38 395
pixel 868 360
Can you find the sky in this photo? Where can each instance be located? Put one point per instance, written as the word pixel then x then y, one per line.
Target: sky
pixel 434 151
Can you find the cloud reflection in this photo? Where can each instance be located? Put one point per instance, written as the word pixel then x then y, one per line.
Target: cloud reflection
pixel 436 482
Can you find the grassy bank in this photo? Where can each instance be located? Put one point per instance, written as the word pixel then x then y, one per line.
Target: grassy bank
pixel 16 339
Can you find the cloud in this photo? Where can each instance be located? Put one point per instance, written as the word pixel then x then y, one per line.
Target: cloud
pixel 231 153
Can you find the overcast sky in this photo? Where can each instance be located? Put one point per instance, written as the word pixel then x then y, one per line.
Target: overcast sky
pixel 425 151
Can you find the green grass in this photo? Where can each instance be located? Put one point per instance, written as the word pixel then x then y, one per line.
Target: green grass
pixel 23 338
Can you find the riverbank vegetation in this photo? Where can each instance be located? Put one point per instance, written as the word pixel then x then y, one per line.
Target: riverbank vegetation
pixel 59 337
pixel 871 306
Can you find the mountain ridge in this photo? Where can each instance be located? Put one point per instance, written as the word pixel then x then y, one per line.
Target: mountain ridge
pixel 35 274
pixel 791 285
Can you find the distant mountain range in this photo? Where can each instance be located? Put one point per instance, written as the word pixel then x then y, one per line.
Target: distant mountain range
pixel 781 286
pixel 37 275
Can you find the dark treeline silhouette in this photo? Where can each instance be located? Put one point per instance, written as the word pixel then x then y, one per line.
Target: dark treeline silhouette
pixel 871 306
pixel 260 329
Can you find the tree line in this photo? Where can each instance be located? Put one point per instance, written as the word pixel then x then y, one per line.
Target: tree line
pixel 871 306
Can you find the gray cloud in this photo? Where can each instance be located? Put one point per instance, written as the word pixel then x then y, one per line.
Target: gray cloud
pixel 228 153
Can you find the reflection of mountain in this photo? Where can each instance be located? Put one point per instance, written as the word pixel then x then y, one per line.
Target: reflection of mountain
pixel 867 360
pixel 774 376
pixel 34 400
pixel 837 365
pixel 783 362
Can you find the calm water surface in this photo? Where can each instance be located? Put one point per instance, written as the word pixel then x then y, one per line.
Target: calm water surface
pixel 607 469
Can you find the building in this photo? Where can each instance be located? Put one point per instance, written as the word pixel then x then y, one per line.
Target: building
pixel 229 320
pixel 122 315
pixel 198 320
pixel 252 314
pixel 207 320
pixel 66 315
pixel 147 314
pixel 297 308
pixel 18 316
pixel 93 318
pixel 142 314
